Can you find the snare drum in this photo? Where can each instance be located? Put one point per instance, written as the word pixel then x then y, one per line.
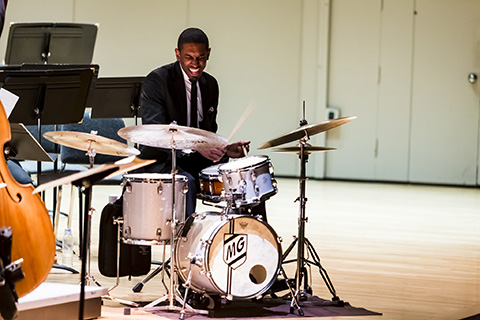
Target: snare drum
pixel 147 207
pixel 248 180
pixel 235 256
pixel 210 184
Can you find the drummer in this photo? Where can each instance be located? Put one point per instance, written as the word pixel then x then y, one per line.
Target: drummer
pixel 166 97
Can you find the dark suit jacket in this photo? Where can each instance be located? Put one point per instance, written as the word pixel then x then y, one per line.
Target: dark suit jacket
pixel 164 100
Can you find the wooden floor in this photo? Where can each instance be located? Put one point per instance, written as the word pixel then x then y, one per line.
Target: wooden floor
pixel 409 252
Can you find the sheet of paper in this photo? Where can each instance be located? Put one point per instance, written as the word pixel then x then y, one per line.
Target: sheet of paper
pixel 9 100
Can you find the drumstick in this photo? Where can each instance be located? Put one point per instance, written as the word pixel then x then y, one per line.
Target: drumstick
pixel 248 111
pixel 244 151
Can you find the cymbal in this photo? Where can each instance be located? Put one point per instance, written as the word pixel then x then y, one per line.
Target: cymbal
pixel 311 129
pixel 87 141
pixel 160 136
pixel 307 149
pixel 103 171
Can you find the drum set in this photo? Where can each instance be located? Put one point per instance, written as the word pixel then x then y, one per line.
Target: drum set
pixel 228 253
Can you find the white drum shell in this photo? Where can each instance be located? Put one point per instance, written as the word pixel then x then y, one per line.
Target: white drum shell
pixel 205 241
pixel 248 180
pixel 147 207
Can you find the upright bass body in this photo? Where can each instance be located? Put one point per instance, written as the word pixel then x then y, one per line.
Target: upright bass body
pixel 32 233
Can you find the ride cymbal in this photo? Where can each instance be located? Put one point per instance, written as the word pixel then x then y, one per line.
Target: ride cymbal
pixel 310 129
pixel 87 141
pixel 172 135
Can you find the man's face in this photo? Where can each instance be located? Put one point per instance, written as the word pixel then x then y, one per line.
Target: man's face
pixel 193 58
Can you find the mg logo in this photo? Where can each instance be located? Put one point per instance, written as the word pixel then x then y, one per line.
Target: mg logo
pixel 234 249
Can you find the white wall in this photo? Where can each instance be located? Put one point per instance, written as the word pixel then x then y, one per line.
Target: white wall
pixel 262 51
pixel 354 55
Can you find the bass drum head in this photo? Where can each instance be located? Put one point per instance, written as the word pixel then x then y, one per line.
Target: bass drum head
pixel 240 256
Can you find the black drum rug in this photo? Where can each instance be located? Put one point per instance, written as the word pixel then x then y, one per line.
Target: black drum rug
pixel 274 309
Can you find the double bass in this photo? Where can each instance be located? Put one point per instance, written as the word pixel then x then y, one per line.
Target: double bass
pixel 33 239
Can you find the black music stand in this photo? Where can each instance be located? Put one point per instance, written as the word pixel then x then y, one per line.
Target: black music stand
pixel 50 43
pixel 42 67
pixel 117 97
pixel 48 96
pixel 23 146
pixel 45 95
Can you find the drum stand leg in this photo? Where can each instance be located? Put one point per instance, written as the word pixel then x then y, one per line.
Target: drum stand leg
pixel 139 286
pixel 108 295
pixel 162 268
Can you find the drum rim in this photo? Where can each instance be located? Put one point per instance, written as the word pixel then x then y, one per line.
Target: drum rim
pixel 156 177
pixel 222 169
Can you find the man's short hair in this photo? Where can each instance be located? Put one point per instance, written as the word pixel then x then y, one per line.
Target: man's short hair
pixel 192 35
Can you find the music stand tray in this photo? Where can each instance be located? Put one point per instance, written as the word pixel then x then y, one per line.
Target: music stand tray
pixel 50 43
pixel 25 146
pixel 48 96
pixel 117 97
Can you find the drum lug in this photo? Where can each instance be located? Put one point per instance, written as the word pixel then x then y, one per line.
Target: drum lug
pixel 279 239
pixel 128 187
pixel 253 176
pixel 159 233
pixel 127 232
pixel 206 242
pixel 160 188
pixel 257 190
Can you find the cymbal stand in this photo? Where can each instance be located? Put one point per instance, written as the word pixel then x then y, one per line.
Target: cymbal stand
pixel 303 244
pixel 91 153
pixel 171 295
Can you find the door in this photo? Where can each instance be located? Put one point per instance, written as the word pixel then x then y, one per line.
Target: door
pixel 445 105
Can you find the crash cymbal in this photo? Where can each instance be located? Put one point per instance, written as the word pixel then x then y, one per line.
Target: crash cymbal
pixel 160 136
pixel 103 171
pixel 87 141
pixel 311 129
pixel 307 149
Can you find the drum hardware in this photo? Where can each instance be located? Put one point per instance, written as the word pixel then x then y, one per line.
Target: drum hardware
pixel 162 268
pixel 303 134
pixel 174 137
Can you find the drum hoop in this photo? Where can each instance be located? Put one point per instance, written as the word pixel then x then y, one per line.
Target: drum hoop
pixel 137 178
pixel 264 159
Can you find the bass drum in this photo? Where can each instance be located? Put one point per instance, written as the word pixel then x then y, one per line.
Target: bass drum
pixel 235 256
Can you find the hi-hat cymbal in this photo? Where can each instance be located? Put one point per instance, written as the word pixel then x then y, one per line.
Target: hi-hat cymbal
pixel 87 141
pixel 311 129
pixel 307 149
pixel 164 135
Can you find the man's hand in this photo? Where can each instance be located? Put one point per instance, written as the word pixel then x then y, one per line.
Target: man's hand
pixel 238 149
pixel 214 154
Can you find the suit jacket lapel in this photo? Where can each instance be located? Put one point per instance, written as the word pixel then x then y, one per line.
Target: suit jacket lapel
pixel 205 103
pixel 182 95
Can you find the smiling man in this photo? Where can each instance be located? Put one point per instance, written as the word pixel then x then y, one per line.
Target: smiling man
pixel 167 97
